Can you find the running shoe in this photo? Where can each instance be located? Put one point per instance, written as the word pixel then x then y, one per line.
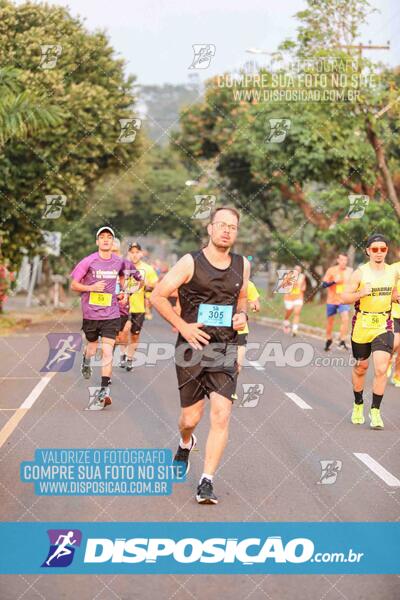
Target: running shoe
pixel 286 326
pixel 342 345
pixel 328 344
pixel 357 416
pixel 122 362
pixel 395 381
pixel 100 400
pixel 205 493
pixel 86 369
pixel 128 364
pixel 234 396
pixel 181 458
pixel 104 395
pixel 376 419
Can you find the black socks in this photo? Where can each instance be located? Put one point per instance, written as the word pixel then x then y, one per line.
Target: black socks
pixel 376 400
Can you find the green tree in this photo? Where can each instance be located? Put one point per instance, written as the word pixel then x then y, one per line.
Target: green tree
pixel 61 62
pixel 21 112
pixel 298 189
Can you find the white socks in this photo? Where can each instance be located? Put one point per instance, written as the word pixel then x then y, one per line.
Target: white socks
pixel 206 476
pixel 186 446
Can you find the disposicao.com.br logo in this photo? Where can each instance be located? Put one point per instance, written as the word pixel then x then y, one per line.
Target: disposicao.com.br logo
pixel 247 551
pixel 62 547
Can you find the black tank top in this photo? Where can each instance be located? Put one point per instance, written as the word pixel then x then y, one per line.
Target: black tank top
pixel 210 285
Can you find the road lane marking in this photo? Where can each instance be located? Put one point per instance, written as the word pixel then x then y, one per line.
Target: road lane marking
pixel 37 390
pixel 376 468
pixel 20 412
pixel 299 401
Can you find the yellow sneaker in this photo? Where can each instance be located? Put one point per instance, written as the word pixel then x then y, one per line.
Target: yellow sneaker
pixel 395 381
pixel 389 370
pixel 357 416
pixel 376 419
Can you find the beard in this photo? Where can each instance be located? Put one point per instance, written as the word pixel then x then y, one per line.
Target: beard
pixel 221 245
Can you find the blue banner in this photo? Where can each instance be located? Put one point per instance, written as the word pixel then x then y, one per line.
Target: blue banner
pixel 192 548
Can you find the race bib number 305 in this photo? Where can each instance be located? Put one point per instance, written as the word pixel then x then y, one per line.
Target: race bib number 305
pixel 100 299
pixel 216 315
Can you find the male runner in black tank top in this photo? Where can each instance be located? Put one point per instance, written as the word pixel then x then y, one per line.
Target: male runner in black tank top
pixel 212 288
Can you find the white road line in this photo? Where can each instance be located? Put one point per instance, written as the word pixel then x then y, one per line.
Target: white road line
pixel 376 468
pixel 297 400
pixel 37 390
pixel 256 365
pixel 21 411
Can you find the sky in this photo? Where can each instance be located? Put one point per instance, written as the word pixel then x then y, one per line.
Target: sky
pixel 155 37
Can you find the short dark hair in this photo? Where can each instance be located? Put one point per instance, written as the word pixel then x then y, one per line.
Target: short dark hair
pixel 343 253
pixel 230 208
pixel 376 237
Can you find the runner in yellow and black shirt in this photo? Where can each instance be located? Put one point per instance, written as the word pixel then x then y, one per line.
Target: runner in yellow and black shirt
pixel 137 307
pixel 371 288
pixel 395 380
pixel 253 304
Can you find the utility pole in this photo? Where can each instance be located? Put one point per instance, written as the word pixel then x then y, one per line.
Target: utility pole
pixel 360 47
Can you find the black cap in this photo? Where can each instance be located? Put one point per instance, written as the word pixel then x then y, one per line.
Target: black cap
pixel 376 237
pixel 134 245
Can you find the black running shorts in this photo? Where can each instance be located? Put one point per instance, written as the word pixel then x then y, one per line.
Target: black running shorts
pixel 108 328
pixel 124 320
pixel 396 323
pixel 383 342
pixel 213 369
pixel 137 320
pixel 196 388
pixel 242 339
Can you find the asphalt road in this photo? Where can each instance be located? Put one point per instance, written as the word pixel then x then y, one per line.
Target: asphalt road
pixel 270 471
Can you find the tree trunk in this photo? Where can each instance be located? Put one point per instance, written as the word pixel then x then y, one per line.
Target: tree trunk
pixel 317 218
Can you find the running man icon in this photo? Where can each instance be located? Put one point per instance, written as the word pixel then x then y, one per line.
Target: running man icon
pixel 63 543
pixel 62 549
pixel 62 350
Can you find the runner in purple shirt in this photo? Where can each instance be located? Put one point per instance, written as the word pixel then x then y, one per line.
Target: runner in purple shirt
pixel 95 277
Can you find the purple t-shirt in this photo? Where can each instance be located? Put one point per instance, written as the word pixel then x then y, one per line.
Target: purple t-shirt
pixel 93 268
